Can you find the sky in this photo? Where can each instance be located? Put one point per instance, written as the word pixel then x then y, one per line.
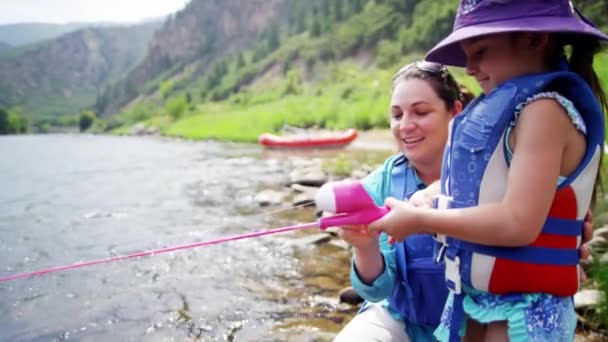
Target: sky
pixel 67 11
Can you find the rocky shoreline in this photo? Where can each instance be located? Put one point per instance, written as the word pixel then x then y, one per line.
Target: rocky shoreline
pixel 308 174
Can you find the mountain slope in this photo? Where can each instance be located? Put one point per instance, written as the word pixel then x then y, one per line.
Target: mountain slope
pixel 28 33
pixel 64 75
pixel 200 33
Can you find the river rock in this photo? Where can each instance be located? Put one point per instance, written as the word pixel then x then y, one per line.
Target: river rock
pixel 333 231
pixel 601 232
pixel 350 296
pixel 587 298
pixel 308 176
pixel 269 197
pixel 597 244
pixel 306 194
pixel 604 258
pixel 141 129
pixel 299 188
pixel 315 239
pixel 303 199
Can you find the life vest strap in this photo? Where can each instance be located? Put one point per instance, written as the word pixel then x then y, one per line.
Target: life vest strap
pixel 528 254
pixel 567 227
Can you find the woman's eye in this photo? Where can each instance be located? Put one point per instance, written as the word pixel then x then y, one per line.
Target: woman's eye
pixel 421 113
pixel 396 116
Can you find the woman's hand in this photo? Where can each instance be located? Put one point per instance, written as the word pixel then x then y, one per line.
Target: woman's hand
pixel 587 236
pixel 360 237
pixel 367 257
pixel 424 198
pixel 400 222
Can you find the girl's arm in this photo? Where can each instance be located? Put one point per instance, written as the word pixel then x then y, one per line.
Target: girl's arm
pixel 542 133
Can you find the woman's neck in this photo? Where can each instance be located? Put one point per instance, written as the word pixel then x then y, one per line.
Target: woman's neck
pixel 428 173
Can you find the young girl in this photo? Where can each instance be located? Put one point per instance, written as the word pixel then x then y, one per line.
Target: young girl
pixel 403 285
pixel 518 171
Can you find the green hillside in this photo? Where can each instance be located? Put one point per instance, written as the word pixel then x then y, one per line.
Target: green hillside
pixel 327 67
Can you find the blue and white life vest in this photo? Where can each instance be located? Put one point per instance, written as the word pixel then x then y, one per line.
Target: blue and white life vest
pixel 419 293
pixel 475 172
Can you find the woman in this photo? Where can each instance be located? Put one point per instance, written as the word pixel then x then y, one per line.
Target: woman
pixel 425 97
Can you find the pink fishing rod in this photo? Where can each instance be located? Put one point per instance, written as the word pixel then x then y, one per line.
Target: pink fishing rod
pixel 349 200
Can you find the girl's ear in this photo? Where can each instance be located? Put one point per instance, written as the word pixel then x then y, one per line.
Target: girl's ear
pixel 457 108
pixel 538 40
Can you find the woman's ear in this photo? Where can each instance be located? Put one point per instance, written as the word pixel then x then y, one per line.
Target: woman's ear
pixel 457 108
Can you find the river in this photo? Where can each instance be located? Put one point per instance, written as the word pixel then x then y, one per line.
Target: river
pixel 70 198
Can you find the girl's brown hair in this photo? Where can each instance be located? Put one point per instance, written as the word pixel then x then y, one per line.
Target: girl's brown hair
pixel 582 50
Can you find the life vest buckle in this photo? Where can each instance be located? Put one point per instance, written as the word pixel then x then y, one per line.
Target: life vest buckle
pixel 452 274
pixel 440 255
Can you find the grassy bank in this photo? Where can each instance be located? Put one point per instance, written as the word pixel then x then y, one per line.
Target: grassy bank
pixel 348 96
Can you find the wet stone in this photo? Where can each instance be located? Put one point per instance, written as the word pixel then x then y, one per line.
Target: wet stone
pixel 269 197
pixel 308 177
pixel 601 232
pixel 315 239
pixel 586 298
pixel 350 296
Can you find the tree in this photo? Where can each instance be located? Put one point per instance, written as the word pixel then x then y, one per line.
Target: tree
pixel 259 52
pixel 86 119
pixel 274 39
pixel 300 22
pixel 4 126
pixel 315 30
pixel 356 5
pixel 240 60
pixel 325 8
pixel 338 13
pixel 17 121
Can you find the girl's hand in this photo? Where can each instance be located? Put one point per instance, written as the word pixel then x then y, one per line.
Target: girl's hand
pixel 400 222
pixel 360 237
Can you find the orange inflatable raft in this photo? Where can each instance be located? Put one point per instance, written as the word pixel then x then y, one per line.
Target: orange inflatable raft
pixel 337 139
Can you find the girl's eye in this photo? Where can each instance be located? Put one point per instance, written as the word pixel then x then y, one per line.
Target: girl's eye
pixel 479 52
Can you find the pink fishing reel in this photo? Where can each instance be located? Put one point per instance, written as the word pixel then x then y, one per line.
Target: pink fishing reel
pixel 350 202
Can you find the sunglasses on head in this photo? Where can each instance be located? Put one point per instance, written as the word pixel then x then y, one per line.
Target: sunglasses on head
pixel 430 67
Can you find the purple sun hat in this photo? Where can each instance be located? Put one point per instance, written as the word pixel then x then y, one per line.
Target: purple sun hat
pixel 481 17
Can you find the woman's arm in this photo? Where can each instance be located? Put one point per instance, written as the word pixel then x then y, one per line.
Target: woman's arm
pixel 373 267
pixel 381 285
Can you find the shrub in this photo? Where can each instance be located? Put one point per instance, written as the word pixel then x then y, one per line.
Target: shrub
pixel 85 120
pixel 165 88
pixel 388 54
pixel 176 106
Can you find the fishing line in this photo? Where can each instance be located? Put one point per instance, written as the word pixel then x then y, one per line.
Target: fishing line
pixel 349 201
pixel 174 248
pixel 161 250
